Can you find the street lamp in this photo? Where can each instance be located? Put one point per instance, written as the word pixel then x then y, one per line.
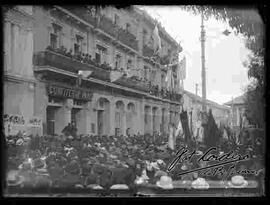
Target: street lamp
pixel 202 39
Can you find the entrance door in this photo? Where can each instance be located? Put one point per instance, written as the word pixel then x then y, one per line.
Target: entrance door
pixel 74 116
pixel 100 114
pixel 50 112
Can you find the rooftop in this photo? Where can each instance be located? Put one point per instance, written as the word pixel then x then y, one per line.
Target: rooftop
pixel 236 101
pixel 209 102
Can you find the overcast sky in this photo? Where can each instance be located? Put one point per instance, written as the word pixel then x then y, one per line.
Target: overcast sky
pixel 226 77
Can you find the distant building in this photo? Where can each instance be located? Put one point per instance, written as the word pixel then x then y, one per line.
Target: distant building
pixel 193 104
pixel 237 109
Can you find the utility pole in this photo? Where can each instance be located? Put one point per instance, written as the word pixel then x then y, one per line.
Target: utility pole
pixel 196 90
pixel 203 65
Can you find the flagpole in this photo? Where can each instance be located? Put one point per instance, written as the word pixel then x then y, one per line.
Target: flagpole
pixel 203 64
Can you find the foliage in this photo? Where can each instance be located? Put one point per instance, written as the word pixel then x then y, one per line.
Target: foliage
pixel 249 23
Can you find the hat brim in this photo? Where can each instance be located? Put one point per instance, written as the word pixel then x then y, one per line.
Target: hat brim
pixel 243 185
pixel 170 186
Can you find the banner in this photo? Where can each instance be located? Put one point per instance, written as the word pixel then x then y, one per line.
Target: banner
pixel 156 40
pixel 14 124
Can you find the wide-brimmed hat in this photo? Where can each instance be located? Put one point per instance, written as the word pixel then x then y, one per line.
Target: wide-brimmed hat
pixel 119 186
pixel 165 182
pixel 238 181
pixel 94 186
pixel 200 183
pixel 13 179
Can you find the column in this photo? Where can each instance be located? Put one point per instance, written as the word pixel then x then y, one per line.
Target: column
pixel 159 115
pixel 84 121
pixel 124 117
pixel 112 115
pixel 141 117
pixel 7 41
pixel 63 116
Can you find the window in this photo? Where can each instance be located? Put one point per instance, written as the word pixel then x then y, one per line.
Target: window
pixel 98 58
pixel 128 27
pixel 146 70
pixel 55 36
pixel 129 64
pixel 118 59
pixel 116 19
pixel 162 80
pixel 101 54
pixel 144 36
pixel 78 44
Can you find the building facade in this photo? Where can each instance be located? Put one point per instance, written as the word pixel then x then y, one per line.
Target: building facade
pixel 237 110
pixel 193 105
pixel 47 47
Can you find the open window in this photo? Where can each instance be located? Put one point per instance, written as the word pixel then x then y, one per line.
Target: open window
pixel 55 36
pixel 78 44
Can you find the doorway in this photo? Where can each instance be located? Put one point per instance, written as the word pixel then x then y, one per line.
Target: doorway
pixel 50 113
pixel 100 119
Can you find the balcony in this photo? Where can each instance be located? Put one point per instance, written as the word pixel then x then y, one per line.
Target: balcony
pixel 108 26
pixel 127 39
pixel 133 83
pixel 54 58
pixel 82 13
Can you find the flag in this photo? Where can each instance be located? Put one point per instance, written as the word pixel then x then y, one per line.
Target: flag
pixel 85 73
pixel 115 75
pixel 168 78
pixel 182 69
pixel 156 41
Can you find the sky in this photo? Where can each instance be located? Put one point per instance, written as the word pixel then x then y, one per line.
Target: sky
pixel 226 77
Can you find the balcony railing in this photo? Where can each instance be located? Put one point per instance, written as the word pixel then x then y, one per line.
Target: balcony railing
pixel 66 61
pixel 133 83
pixel 82 13
pixel 127 38
pixel 69 63
pixel 108 26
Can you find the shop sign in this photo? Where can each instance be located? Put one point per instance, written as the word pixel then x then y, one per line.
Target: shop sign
pixel 69 93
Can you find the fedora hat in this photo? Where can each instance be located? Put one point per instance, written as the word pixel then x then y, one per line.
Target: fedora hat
pixel 238 181
pixel 119 186
pixel 94 186
pixel 200 183
pixel 165 182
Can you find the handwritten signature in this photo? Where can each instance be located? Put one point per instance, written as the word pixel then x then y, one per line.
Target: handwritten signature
pixel 184 155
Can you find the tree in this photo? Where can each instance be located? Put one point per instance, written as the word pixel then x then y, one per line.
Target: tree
pixel 249 23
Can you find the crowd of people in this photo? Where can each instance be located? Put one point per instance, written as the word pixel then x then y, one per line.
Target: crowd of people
pixel 71 160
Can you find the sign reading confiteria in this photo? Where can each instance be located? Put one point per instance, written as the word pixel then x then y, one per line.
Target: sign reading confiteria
pixel 69 92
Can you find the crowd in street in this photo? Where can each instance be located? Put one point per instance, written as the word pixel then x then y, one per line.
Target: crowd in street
pixel 71 160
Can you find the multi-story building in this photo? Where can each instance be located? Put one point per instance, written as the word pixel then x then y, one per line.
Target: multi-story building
pixel 47 46
pixel 193 105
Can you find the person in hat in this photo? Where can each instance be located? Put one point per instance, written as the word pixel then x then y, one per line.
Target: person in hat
pixel 67 130
pixel 165 182
pixel 14 179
